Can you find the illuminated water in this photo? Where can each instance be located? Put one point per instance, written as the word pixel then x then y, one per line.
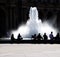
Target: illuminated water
pixel 33 26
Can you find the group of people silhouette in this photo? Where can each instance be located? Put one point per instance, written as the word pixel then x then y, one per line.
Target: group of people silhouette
pixel 18 37
pixel 45 37
pixel 39 37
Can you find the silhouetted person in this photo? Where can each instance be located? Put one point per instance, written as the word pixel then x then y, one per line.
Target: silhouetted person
pixel 45 36
pixel 57 37
pixel 39 37
pixel 51 36
pixel 34 37
pixel 12 37
pixel 19 37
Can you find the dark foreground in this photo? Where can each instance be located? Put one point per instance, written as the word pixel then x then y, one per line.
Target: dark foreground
pixel 30 41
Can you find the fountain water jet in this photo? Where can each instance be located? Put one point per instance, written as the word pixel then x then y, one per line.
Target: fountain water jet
pixel 34 26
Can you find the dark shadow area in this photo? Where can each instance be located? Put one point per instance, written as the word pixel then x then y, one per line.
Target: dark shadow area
pixel 2 23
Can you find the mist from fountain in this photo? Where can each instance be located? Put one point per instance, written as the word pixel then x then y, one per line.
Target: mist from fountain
pixel 34 25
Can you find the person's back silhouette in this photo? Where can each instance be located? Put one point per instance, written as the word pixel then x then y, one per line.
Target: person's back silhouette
pixel 45 36
pixel 57 37
pixel 39 37
pixel 12 37
pixel 34 36
pixel 51 36
pixel 19 37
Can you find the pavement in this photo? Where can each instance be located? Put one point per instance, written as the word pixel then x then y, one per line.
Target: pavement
pixel 29 50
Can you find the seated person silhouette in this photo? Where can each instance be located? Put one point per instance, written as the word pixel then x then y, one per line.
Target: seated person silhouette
pixel 34 37
pixel 19 37
pixel 39 37
pixel 51 36
pixel 12 37
pixel 45 36
pixel 57 36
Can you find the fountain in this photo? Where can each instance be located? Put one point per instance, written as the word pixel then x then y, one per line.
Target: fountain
pixel 34 25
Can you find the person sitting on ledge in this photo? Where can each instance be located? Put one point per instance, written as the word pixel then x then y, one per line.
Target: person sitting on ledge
pixel 12 37
pixel 39 37
pixel 51 36
pixel 19 37
pixel 57 36
pixel 45 36
pixel 34 36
